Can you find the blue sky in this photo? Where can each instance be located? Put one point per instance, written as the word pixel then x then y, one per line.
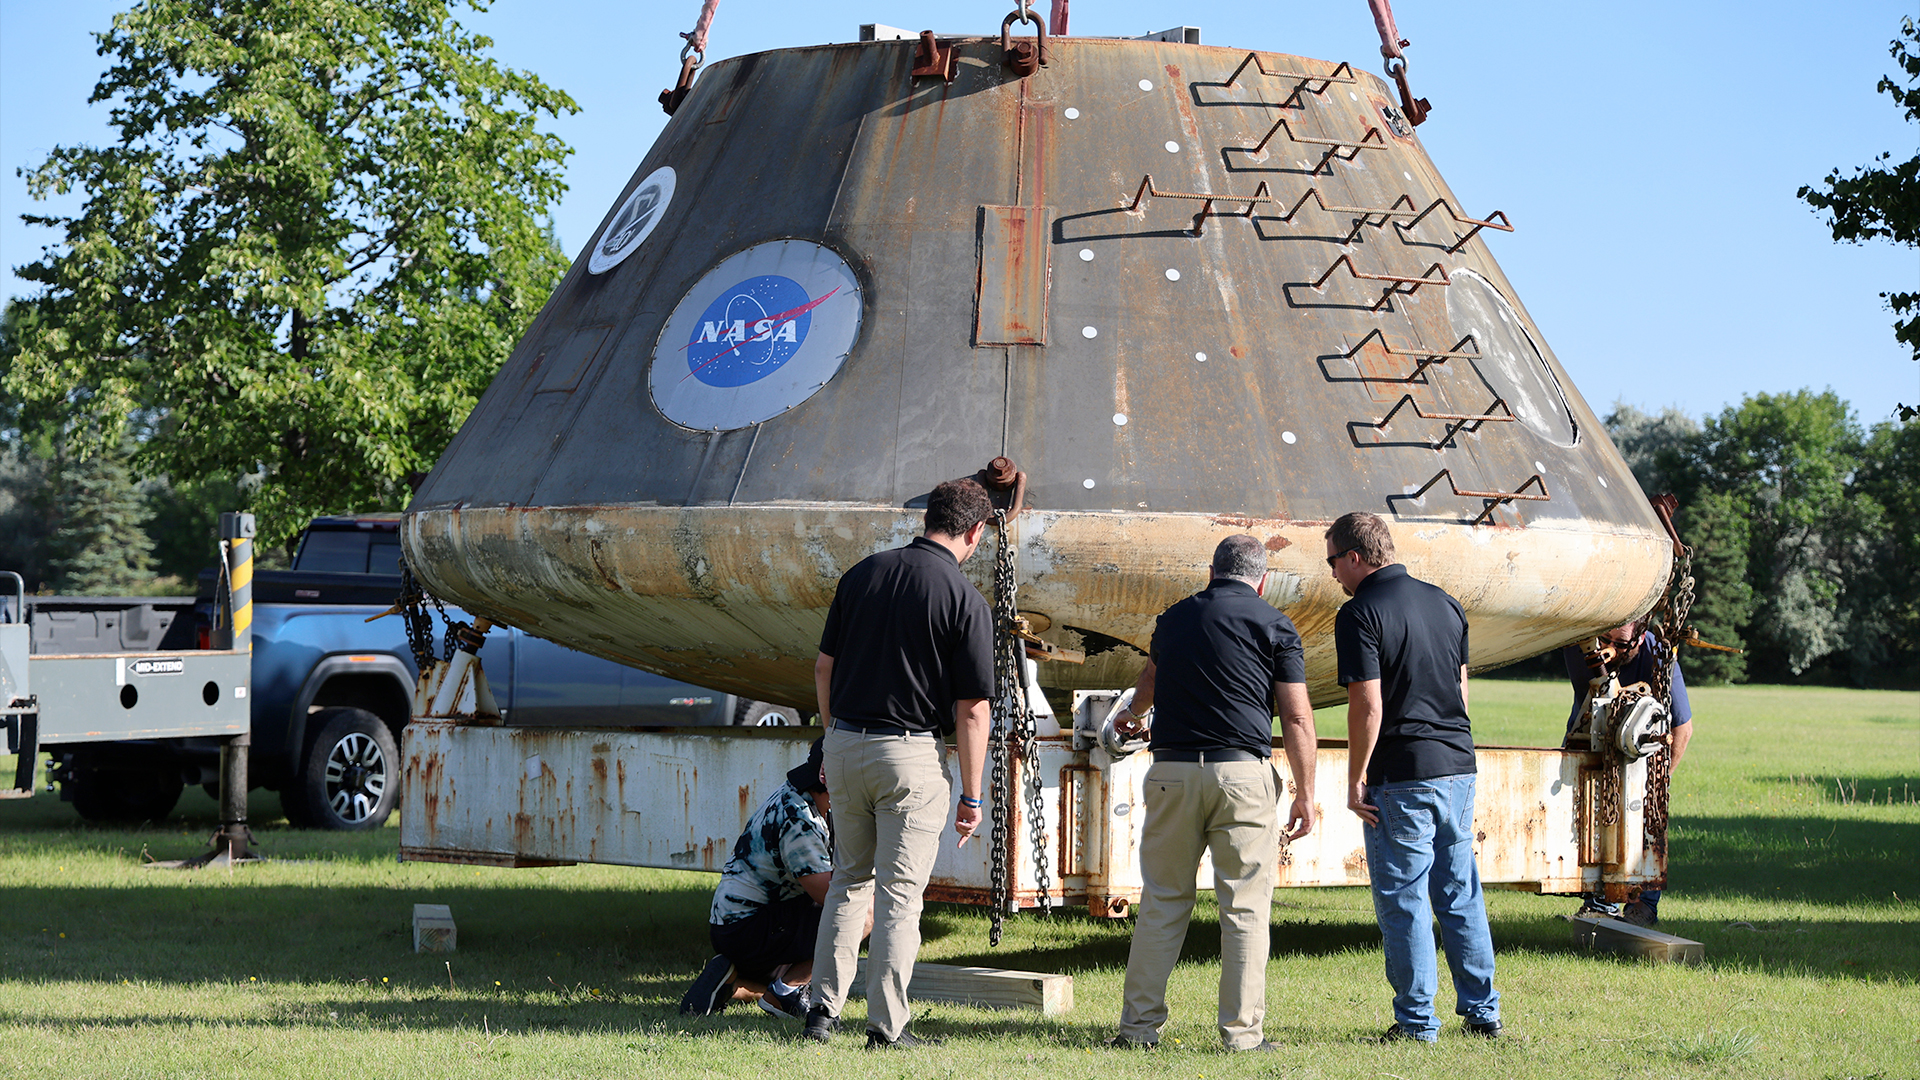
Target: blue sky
pixel 1647 153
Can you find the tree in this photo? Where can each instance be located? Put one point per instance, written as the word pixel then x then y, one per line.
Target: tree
pixel 1889 475
pixel 1660 450
pixel 318 236
pixel 1882 201
pixel 1713 525
pixel 99 544
pixel 1785 462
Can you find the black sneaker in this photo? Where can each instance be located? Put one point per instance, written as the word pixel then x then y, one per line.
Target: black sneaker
pixel 711 991
pixel 1121 1042
pixel 1489 1030
pixel 791 1005
pixel 1396 1033
pixel 1640 913
pixel 906 1040
pixel 821 1024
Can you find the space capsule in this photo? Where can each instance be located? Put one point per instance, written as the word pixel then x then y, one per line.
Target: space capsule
pixel 1190 290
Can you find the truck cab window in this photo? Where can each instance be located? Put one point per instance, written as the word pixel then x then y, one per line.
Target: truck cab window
pixel 333 552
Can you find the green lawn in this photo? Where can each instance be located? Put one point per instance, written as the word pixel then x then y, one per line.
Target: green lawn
pixel 1796 859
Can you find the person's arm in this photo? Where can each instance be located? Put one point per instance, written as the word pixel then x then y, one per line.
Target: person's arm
pixel 1681 735
pixel 1128 723
pixel 823 687
pixel 816 886
pixel 1301 744
pixel 973 724
pixel 1682 715
pixel 1363 731
pixel 1463 690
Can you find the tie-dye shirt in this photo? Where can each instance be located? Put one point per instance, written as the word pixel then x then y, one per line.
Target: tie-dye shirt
pixel 786 839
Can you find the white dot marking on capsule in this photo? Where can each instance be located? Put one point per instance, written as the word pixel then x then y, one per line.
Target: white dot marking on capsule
pixel 1200 356
pixel 1172 274
pixel 1539 468
pixel 1406 174
pixel 1289 438
pixel 1087 483
pixel 1072 114
pixel 1086 254
pixel 1172 147
pixel 1089 332
pixel 1351 96
pixel 1146 84
pixel 1602 479
pixel 1120 419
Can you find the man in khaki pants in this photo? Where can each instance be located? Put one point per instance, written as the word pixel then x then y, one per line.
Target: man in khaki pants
pixel 907 652
pixel 1222 660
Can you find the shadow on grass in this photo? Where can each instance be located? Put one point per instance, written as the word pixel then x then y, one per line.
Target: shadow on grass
pixel 1873 790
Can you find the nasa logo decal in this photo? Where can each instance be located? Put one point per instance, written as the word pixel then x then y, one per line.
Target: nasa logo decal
pixel 759 333
pixel 633 221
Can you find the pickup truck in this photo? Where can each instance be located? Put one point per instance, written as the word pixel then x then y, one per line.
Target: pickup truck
pixel 331 691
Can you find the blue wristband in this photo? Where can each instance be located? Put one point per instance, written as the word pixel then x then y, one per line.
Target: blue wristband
pixel 969 801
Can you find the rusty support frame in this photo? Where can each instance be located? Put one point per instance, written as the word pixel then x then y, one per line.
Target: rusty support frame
pixel 1394 282
pixel 1260 195
pixel 1458 421
pixel 1503 224
pixel 1422 358
pixel 1498 498
pixel 1371 140
pixel 932 60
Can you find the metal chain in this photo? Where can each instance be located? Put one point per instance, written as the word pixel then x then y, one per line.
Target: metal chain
pixel 1006 582
pixel 1674 608
pixel 413 616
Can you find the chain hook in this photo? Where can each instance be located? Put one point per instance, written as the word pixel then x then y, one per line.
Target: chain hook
pixel 1024 57
pixel 1416 109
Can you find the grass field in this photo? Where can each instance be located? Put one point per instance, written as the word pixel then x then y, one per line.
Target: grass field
pixel 1796 859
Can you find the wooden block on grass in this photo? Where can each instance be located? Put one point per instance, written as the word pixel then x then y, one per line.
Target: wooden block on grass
pixel 433 929
pixel 1613 935
pixel 990 988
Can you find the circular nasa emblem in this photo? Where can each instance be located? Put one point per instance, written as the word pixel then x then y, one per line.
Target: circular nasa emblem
pixel 633 221
pixel 758 334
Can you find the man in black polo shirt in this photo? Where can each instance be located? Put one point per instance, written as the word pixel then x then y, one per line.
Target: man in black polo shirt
pixel 907 654
pixel 1402 646
pixel 1220 661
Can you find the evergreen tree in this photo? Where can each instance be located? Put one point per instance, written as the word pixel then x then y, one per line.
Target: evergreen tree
pixel 1714 524
pixel 99 545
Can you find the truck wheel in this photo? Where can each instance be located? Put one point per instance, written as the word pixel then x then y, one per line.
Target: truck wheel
pixel 123 796
pixel 763 714
pixel 352 775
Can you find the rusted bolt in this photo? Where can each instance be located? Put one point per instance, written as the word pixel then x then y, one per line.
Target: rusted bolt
pixel 1001 472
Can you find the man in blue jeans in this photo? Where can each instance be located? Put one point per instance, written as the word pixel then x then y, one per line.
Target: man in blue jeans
pixel 1402 653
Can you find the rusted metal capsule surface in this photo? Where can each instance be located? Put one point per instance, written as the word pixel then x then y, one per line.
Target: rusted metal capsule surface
pixel 1191 291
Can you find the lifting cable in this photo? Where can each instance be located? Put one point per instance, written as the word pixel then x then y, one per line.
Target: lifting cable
pixel 692 55
pixel 1391 44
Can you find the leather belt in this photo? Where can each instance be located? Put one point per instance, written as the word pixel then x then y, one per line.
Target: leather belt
pixel 859 728
pixel 1208 757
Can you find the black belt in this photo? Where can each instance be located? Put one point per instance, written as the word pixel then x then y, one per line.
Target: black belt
pixel 1208 757
pixel 862 728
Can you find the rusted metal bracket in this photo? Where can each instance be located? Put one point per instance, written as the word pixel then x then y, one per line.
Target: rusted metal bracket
pixel 1496 498
pixel 1387 213
pixel 1458 421
pixel 1422 358
pixel 1304 77
pixel 1260 195
pixel 933 60
pixel 1044 650
pixel 1024 57
pixel 1503 224
pixel 1006 486
pixel 1405 286
pixel 1372 140
pixel 1415 108
pixel 671 99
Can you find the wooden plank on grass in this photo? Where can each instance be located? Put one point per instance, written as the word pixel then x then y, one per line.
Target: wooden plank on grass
pixel 988 988
pixel 1613 935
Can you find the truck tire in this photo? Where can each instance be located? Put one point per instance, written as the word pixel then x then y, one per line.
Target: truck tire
pixel 351 778
pixel 763 714
pixel 124 795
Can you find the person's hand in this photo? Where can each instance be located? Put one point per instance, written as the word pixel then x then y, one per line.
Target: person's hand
pixel 1127 725
pixel 966 822
pixel 1302 818
pixel 1357 802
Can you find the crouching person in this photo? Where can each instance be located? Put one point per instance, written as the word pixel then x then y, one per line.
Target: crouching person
pixel 766 913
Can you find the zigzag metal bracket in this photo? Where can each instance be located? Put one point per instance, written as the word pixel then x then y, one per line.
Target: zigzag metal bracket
pixel 1496 498
pixel 1405 286
pixel 1469 422
pixel 1325 81
pixel 1260 195
pixel 1422 358
pixel 1503 224
pixel 1372 140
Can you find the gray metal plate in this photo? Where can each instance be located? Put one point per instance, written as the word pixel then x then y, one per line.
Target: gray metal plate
pixel 170 695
